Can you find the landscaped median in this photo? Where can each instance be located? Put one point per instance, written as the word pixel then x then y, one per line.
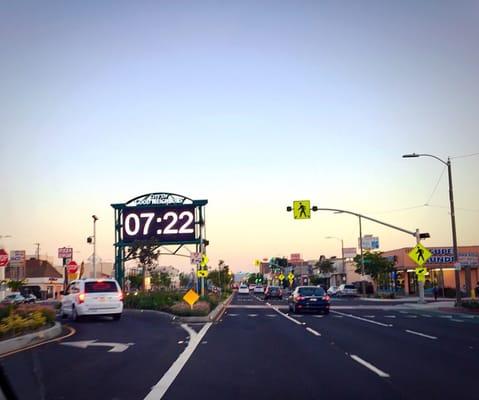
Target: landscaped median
pixel 25 325
pixel 205 309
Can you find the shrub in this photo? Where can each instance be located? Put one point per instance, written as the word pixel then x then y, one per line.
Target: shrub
pixel 26 310
pixel 158 300
pixel 201 308
pixel 474 304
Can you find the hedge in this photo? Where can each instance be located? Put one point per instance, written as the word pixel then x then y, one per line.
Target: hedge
pixel 25 318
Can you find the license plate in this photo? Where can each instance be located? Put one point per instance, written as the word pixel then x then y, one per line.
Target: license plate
pixel 313 299
pixel 101 299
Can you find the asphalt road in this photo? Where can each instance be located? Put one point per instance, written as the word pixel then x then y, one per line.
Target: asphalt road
pixel 259 351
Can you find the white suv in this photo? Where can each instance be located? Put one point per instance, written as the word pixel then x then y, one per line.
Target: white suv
pixel 92 297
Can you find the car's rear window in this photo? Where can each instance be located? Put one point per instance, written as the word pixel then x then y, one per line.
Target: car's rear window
pixel 311 291
pixel 100 287
pixel 350 287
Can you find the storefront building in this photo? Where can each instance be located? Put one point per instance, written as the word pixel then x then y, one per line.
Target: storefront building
pixel 440 268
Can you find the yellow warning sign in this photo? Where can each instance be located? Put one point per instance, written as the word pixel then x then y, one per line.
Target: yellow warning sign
pixel 302 209
pixel 191 297
pixel 257 263
pixel 419 254
pixel 204 260
pixel 202 273
pixel 281 277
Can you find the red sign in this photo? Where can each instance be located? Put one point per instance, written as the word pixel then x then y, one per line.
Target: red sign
pixel 72 267
pixel 3 258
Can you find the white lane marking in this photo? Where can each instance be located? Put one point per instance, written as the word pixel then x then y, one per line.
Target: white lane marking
pixel 159 390
pixel 445 316
pixel 421 334
pixel 371 367
pixel 246 306
pixel 389 316
pixel 252 315
pixel 426 315
pixel 180 342
pixel 362 319
pixel 318 316
pixel 232 315
pixel 467 316
pixel 313 331
pixel 404 312
pixel 286 316
pixel 410 316
pixel 456 320
pixel 369 316
pixel 271 315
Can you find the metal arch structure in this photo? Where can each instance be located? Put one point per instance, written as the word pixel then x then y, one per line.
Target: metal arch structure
pixel 148 211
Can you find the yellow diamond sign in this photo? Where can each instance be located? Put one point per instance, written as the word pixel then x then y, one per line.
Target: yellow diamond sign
pixel 204 260
pixel 202 273
pixel 281 277
pixel 302 209
pixel 257 263
pixel 419 254
pixel 191 297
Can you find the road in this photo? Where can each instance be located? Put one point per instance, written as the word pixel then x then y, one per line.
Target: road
pixel 259 351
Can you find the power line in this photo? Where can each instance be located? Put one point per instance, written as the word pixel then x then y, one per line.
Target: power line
pixel 466 155
pixel 435 187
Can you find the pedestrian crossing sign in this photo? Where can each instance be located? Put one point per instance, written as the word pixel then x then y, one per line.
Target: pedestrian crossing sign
pixel 204 260
pixel 281 277
pixel 202 273
pixel 302 209
pixel 421 273
pixel 419 254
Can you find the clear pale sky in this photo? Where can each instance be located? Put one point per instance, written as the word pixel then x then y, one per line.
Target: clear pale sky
pixel 249 104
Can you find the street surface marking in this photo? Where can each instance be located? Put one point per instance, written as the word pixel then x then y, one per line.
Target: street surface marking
pixel 404 312
pixel 313 332
pixel 115 347
pixel 318 316
pixel 457 320
pixel 421 334
pixel 299 316
pixel 410 316
pixel 426 315
pixel 159 390
pixel 377 371
pixel 337 316
pixel 362 319
pixel 369 316
pixel 247 306
pixel 389 316
pixel 252 315
pixel 271 315
pixel 445 316
pixel 232 315
pixel 286 316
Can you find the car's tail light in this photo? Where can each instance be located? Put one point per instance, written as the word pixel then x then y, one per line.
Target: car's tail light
pixel 326 298
pixel 299 298
pixel 120 296
pixel 81 298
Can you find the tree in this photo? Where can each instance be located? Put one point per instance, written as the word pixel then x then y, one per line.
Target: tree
pixel 324 266
pixel 221 277
pixel 184 279
pixel 255 278
pixel 164 279
pixel 146 253
pixel 375 265
pixel 136 281
pixel 15 285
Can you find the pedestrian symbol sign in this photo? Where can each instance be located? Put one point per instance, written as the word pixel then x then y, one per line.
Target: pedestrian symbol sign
pixel 302 209
pixel 421 274
pixel 191 297
pixel 419 254
pixel 281 277
pixel 204 260
pixel 202 273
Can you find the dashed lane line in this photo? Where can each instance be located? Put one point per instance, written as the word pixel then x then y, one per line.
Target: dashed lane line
pixel 456 320
pixel 369 366
pixel 421 334
pixel 362 319
pixel 315 333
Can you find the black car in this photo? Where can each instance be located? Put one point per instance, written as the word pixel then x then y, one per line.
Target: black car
pixel 273 292
pixel 309 298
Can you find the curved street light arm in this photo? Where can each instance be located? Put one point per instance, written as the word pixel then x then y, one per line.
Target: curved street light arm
pixel 433 156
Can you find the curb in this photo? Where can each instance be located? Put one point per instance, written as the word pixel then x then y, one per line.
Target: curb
pixel 212 316
pixel 9 345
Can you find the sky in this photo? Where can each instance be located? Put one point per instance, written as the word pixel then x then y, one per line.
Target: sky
pixel 248 104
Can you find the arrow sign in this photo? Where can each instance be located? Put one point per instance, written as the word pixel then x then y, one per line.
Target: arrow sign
pixel 115 347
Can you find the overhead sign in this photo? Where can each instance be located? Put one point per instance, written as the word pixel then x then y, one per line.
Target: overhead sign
pixel 302 209
pixel 370 242
pixel 195 258
pixel 191 297
pixel 419 254
pixel 72 267
pixel 202 273
pixel 65 252
pixel 3 258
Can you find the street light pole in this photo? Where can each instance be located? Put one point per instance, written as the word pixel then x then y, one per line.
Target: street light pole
pixel 342 251
pixel 457 274
pixel 363 284
pixel 95 218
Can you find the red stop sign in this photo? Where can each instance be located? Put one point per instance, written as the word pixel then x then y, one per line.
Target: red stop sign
pixel 3 258
pixel 72 267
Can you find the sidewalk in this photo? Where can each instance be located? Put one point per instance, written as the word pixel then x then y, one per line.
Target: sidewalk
pixel 404 299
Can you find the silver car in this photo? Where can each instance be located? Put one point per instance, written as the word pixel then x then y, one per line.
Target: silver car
pixel 347 290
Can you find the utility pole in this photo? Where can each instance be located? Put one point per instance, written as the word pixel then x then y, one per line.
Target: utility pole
pixel 38 250
pixel 95 218
pixel 363 284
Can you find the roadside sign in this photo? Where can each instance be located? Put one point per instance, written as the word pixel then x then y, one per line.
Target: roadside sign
pixel 281 277
pixel 65 252
pixel 18 256
pixel 72 267
pixel 290 276
pixel 195 258
pixel 257 263
pixel 419 254
pixel 191 297
pixel 421 273
pixel 3 258
pixel 302 209
pixel 204 260
pixel 202 273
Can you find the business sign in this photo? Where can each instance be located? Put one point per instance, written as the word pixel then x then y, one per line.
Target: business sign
pixel 65 252
pixel 370 242
pixel 445 255
pixel 18 256
pixel 350 252
pixel 195 257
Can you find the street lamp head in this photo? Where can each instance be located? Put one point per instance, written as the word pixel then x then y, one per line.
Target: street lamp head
pixel 413 155
pixel 289 208
pixel 95 218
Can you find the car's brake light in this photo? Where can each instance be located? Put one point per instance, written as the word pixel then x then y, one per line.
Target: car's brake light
pixel 121 296
pixel 299 298
pixel 327 298
pixel 81 298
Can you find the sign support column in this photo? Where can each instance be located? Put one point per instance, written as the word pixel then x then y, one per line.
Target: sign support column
pixel 420 282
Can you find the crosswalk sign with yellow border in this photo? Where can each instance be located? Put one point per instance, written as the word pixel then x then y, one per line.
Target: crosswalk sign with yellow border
pixel 419 254
pixel 302 209
pixel 202 273
pixel 290 276
pixel 281 277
